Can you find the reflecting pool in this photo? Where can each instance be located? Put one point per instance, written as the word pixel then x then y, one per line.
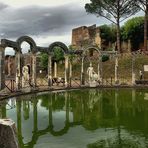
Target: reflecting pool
pixel 90 118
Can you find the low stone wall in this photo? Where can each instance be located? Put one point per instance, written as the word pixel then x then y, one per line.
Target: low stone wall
pixel 8 138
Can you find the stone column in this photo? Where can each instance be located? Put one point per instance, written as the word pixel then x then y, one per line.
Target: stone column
pixel 82 71
pixel 49 70
pixel 55 69
pixel 8 138
pixel 66 70
pixel 2 67
pixel 116 70
pixel 34 70
pixel 18 70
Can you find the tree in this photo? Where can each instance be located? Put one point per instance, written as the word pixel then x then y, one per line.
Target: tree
pixel 107 32
pixel 143 5
pixel 44 60
pixel 114 10
pixel 58 56
pixel 133 29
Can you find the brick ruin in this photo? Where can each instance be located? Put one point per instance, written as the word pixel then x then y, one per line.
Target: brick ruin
pixel 83 36
pixel 91 36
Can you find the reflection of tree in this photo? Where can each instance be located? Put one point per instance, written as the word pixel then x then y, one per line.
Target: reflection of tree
pixel 109 109
pixel 3 110
pixel 114 143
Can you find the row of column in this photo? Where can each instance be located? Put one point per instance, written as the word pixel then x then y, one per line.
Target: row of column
pixel 66 75
pixel 68 70
pixel 18 59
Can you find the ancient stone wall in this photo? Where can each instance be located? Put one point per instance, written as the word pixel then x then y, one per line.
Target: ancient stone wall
pixel 85 36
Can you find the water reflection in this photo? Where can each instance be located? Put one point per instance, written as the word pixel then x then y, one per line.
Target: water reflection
pixel 120 116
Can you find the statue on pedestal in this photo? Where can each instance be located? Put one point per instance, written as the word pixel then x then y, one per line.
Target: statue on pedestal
pixel 90 71
pixel 25 78
pixel 93 77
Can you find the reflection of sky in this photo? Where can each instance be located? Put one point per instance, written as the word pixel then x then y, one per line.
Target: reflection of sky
pixel 78 137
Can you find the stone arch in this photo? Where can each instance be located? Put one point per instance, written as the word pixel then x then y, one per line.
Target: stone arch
pixel 92 47
pixel 8 43
pixel 59 44
pixel 29 40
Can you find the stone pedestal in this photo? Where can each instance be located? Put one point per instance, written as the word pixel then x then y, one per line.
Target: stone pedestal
pixel 8 137
pixel 92 83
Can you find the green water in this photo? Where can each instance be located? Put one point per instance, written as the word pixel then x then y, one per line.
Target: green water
pixel 88 118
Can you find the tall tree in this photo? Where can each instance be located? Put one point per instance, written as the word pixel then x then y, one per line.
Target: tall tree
pixel 114 10
pixel 144 7
pixel 133 30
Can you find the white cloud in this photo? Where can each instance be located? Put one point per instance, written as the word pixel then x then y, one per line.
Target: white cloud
pixel 22 3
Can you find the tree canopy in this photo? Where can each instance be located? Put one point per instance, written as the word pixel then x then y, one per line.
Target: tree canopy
pixel 114 10
pixel 133 29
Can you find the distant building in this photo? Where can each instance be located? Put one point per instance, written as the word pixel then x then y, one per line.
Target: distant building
pixel 84 36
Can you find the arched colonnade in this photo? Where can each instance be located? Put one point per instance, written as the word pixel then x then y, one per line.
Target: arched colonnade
pixel 34 49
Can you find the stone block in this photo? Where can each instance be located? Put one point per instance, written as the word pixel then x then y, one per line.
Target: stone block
pixel 8 138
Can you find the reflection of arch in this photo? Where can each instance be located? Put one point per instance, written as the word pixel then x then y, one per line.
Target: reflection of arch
pixel 29 40
pixel 37 134
pixel 59 44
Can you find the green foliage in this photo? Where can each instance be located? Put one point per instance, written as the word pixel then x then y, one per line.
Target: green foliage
pixel 105 58
pixel 108 33
pixel 112 10
pixel 134 30
pixel 44 60
pixel 58 54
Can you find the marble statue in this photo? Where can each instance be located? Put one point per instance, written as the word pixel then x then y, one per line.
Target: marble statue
pixel 25 78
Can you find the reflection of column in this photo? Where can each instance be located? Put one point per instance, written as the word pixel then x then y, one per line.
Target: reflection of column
pixel 26 109
pixel 67 107
pixel 50 70
pixel 18 70
pixel 82 72
pixel 70 73
pixel 133 72
pixel 34 69
pixel 116 69
pixel 4 113
pixel 66 70
pixel 55 69
pixel 2 68
pixel 116 103
pixel 50 113
pixel 100 68
pixel 35 114
pixel 133 100
pixel 19 123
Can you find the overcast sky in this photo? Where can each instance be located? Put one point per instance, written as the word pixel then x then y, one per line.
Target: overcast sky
pixel 45 21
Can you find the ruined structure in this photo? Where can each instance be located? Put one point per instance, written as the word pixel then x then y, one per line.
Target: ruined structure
pixel 84 36
pixel 91 36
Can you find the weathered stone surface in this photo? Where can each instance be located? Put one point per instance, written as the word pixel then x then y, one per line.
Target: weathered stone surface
pixel 84 36
pixel 8 137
